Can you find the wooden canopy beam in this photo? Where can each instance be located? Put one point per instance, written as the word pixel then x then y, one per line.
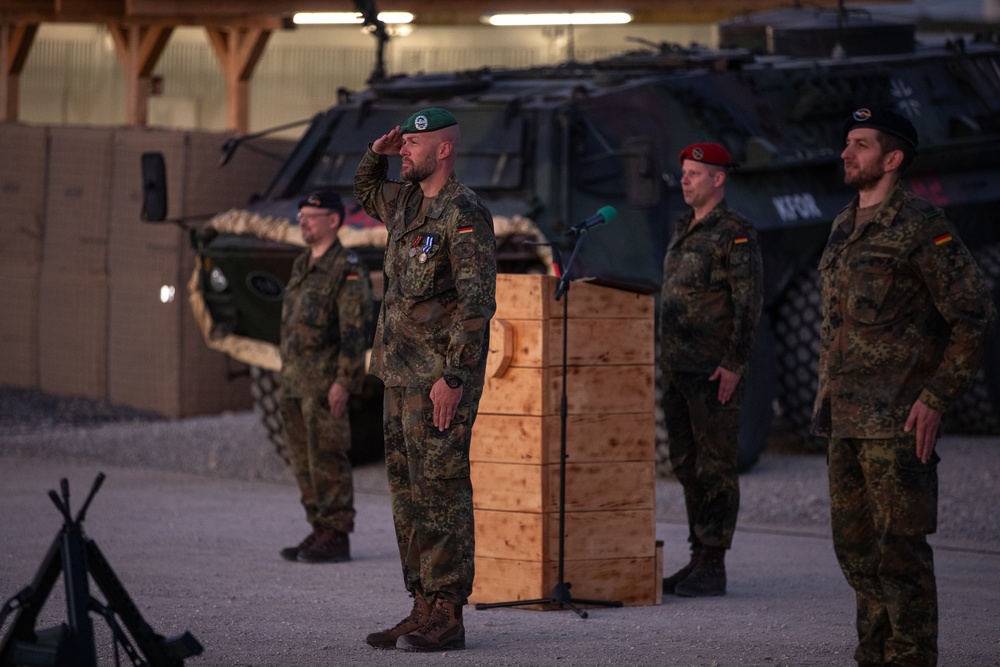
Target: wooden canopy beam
pixel 238 50
pixel 139 47
pixel 238 30
pixel 15 43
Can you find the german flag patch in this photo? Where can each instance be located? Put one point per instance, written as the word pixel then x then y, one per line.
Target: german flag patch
pixel 941 240
pixel 351 276
pixel 465 230
pixel 740 239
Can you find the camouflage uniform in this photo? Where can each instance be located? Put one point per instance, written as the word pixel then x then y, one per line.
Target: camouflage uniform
pixel 323 339
pixel 440 288
pixel 711 301
pixel 905 317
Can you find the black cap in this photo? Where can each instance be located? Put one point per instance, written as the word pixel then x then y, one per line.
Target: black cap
pixel 324 199
pixel 886 120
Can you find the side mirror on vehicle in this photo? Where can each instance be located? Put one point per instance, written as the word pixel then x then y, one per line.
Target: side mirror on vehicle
pixel 641 171
pixel 154 187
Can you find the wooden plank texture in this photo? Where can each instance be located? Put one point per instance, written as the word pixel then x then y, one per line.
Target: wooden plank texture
pixel 589 535
pixel 531 297
pixel 589 437
pixel 589 390
pixel 601 486
pixel 610 342
pixel 626 580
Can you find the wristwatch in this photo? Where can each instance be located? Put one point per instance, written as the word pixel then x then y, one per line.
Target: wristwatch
pixel 453 381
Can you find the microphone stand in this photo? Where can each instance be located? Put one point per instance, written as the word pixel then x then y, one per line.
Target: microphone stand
pixel 561 595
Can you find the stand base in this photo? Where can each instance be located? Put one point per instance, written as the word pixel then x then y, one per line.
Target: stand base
pixel 560 596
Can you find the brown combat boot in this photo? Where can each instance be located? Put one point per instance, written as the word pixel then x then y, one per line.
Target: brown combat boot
pixel 670 583
pixel 330 546
pixel 443 631
pixel 418 616
pixel 292 553
pixel 708 577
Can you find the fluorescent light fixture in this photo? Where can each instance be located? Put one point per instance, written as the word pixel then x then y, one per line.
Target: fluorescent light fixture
pixel 571 18
pixel 348 18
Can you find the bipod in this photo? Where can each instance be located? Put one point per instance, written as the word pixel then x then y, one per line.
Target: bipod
pixel 71 644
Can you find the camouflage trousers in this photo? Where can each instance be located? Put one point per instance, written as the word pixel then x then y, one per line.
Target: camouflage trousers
pixel 883 504
pixel 703 449
pixel 431 492
pixel 318 446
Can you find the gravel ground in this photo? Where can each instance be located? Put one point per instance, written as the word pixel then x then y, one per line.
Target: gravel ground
pixel 785 490
pixel 225 502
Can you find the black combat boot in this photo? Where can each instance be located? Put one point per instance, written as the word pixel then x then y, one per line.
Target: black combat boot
pixel 443 631
pixel 292 553
pixel 418 616
pixel 670 583
pixel 330 546
pixel 708 577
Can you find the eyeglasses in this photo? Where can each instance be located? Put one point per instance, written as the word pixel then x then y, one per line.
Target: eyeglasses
pixel 302 216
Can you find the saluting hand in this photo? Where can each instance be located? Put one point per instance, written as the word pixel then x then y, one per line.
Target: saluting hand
pixel 388 144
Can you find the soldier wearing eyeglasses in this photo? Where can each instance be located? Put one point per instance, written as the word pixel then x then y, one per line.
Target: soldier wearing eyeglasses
pixel 325 315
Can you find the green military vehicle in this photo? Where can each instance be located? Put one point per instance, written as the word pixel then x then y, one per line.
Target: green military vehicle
pixel 547 147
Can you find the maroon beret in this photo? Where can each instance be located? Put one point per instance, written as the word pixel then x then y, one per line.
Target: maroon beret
pixel 707 153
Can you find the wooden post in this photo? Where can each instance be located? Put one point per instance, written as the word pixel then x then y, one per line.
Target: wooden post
pixel 15 43
pixel 238 49
pixel 139 48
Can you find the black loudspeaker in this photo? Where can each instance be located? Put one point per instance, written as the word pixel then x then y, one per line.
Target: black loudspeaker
pixel 154 187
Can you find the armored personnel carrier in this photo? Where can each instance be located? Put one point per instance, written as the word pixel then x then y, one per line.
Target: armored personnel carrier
pixel 547 147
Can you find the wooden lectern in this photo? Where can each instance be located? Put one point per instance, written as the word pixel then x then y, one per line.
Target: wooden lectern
pixel 610 549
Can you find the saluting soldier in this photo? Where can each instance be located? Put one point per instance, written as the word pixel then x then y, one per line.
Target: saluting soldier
pixel 325 314
pixel 905 319
pixel 710 304
pixel 430 350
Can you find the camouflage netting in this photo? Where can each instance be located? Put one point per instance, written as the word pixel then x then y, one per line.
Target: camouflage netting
pixel 247 350
pixel 239 221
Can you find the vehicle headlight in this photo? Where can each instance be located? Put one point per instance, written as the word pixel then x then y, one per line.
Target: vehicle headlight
pixel 217 279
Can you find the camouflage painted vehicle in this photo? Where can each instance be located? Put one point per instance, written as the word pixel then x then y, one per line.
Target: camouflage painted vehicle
pixel 546 147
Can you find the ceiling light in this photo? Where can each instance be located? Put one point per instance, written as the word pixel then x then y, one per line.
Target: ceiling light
pixel 348 18
pixel 572 18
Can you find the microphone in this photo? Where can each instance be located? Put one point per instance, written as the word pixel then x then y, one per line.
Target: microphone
pixel 603 215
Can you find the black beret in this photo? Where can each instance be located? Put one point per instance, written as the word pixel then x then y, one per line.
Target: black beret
pixel 324 199
pixel 886 120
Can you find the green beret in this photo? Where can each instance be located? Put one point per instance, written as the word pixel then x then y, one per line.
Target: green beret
pixel 428 120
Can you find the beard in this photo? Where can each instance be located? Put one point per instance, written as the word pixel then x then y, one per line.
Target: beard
pixel 416 173
pixel 864 178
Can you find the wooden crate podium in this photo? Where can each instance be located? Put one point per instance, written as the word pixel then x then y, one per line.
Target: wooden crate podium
pixel 610 525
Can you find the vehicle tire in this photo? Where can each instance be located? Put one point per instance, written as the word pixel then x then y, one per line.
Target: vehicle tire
pixel 760 387
pixel 977 409
pixel 756 414
pixel 264 388
pixel 797 320
pixel 367 443
pixel 799 315
pixel 367 435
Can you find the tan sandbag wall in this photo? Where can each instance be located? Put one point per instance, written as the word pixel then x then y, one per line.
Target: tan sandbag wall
pixel 85 285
